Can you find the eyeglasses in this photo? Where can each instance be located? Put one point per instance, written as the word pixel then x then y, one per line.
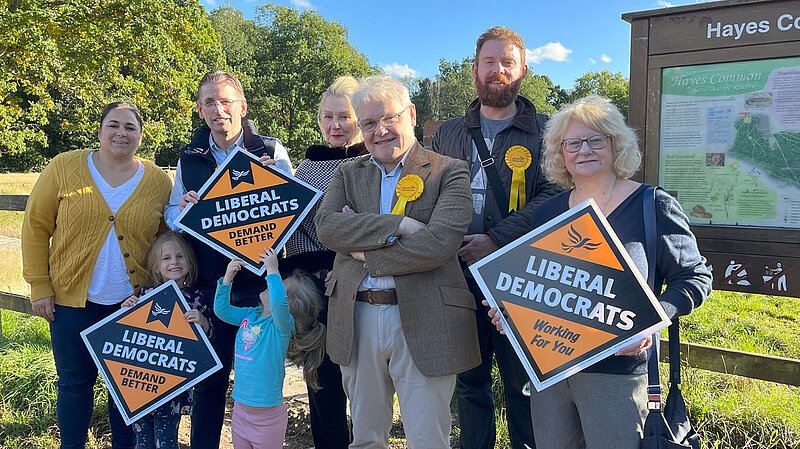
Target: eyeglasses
pixel 386 121
pixel 208 104
pixel 595 142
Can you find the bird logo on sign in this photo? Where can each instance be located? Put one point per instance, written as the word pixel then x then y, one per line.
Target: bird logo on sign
pixel 578 241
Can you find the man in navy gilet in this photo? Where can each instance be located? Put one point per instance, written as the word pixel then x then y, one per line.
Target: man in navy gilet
pixel 221 104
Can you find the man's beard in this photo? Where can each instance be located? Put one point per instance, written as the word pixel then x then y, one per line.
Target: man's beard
pixel 495 97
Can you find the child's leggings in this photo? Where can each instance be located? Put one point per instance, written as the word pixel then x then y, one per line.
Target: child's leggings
pixel 258 427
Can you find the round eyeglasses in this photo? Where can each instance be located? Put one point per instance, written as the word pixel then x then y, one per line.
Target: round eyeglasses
pixel 595 142
pixel 368 126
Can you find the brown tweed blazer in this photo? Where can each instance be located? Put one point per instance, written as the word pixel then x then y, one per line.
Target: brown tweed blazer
pixel 437 310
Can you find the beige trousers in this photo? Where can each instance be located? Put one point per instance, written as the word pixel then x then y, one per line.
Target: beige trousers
pixel 380 366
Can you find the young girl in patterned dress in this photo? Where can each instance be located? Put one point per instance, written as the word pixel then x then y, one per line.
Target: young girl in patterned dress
pixel 171 258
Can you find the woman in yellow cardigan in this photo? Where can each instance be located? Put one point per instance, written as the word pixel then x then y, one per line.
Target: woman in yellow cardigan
pixel 88 225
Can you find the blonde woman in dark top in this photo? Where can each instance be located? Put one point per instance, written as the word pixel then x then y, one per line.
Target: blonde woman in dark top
pixel 592 152
pixel 337 122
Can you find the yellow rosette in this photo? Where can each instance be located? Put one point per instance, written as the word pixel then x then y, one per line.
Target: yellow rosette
pixel 409 188
pixel 518 158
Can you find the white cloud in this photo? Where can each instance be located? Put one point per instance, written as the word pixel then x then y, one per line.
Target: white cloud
pixel 552 50
pixel 302 4
pixel 605 58
pixel 592 61
pixel 664 4
pixel 399 71
pixel 210 2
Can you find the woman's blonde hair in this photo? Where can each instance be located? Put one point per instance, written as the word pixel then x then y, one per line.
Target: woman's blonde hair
pixel 601 115
pixel 307 347
pixel 342 87
pixel 154 258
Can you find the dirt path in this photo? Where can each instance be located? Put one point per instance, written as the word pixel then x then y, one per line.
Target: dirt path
pixel 298 433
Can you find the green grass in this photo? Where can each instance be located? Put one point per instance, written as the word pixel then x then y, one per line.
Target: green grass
pixel 732 411
pixel 28 391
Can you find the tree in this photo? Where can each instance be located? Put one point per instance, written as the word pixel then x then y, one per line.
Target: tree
pixel 613 86
pixel 62 62
pixel 537 88
pixel 295 57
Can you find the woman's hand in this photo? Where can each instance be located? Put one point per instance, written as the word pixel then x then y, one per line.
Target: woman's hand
pixel 45 308
pixel 188 197
pixel 194 316
pixel 495 316
pixel 637 348
pixel 233 267
pixel 130 302
pixel 270 260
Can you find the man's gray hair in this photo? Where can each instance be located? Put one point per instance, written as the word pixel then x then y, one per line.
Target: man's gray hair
pixel 380 87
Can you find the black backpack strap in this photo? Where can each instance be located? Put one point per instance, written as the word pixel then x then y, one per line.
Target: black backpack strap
pixel 487 162
pixel 649 212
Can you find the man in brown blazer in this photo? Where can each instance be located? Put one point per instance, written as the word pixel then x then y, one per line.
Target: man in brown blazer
pixel 400 316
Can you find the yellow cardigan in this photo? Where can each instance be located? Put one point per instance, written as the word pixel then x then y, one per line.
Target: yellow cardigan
pixel 66 205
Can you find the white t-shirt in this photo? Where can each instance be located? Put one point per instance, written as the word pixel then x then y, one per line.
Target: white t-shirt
pixel 110 283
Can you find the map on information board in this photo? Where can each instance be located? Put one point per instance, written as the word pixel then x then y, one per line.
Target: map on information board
pixel 730 142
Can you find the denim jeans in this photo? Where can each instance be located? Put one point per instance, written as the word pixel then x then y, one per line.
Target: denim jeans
pixel 474 394
pixel 77 374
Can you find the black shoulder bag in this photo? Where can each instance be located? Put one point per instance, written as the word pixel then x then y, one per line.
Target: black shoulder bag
pixel 487 162
pixel 670 429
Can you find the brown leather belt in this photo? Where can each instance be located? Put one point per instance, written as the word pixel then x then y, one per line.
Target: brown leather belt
pixel 384 297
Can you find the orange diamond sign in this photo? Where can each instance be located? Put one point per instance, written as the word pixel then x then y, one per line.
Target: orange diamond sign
pixel 245 208
pixel 570 295
pixel 149 354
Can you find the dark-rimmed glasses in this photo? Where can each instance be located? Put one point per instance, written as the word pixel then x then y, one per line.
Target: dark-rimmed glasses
pixel 386 121
pixel 595 142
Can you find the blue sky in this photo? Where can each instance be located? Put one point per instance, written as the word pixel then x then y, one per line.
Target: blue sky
pixel 564 39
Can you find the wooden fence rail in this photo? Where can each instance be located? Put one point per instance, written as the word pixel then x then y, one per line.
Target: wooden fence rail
pixel 745 364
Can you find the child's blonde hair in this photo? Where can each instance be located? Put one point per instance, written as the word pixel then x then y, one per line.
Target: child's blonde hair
pixel 307 347
pixel 154 258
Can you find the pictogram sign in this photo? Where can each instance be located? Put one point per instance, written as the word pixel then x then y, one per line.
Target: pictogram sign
pixel 149 353
pixel 246 207
pixel 570 295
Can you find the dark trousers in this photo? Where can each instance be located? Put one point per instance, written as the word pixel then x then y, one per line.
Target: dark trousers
pixel 77 374
pixel 328 407
pixel 210 395
pixel 474 389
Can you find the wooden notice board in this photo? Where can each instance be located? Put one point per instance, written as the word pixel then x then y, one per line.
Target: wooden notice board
pixel 715 100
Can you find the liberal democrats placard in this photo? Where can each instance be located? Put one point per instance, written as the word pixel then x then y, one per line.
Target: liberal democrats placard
pixel 570 295
pixel 149 353
pixel 246 207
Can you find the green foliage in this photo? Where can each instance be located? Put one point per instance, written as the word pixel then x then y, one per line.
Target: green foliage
pixel 537 88
pixel 62 62
pixel 613 86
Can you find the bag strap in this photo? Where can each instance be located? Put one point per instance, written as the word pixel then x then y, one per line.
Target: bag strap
pixel 675 353
pixel 674 328
pixel 487 162
pixel 649 212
